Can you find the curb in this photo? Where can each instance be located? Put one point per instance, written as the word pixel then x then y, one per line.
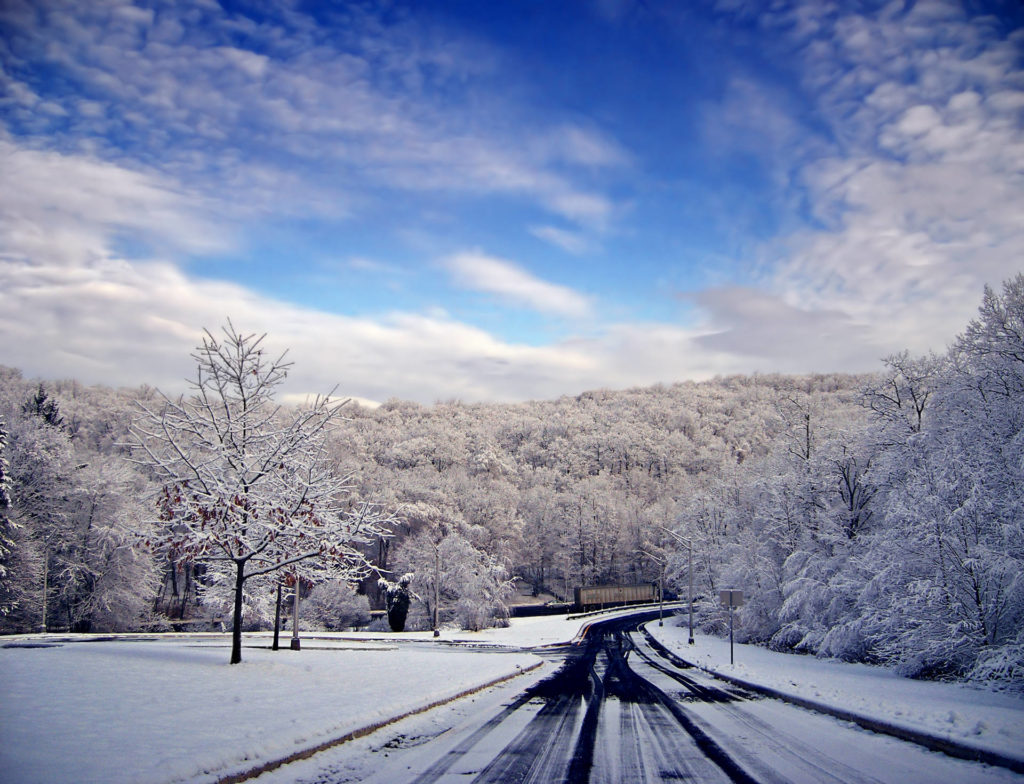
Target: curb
pixel 931 742
pixel 266 767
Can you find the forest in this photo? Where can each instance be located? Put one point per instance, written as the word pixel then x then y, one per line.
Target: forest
pixel 875 518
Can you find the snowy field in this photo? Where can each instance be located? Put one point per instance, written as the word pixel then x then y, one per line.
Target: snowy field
pixel 159 710
pixel 982 718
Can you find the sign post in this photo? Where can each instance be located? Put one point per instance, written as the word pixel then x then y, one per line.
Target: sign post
pixel 731 599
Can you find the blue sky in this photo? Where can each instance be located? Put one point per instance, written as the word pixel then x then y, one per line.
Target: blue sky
pixel 507 200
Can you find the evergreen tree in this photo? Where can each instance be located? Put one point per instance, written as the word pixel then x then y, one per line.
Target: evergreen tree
pixel 44 407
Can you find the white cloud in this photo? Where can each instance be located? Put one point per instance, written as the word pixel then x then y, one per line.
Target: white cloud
pixel 779 336
pixel 512 283
pixel 918 185
pixel 66 207
pixel 584 146
pixel 70 306
pixel 123 324
pixel 569 241
pixel 918 120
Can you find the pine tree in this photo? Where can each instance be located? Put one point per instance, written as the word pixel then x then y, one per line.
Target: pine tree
pixel 44 407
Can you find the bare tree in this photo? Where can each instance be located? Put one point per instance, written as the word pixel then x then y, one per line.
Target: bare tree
pixel 247 488
pixel 900 397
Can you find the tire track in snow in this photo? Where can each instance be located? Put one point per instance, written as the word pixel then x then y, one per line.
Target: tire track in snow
pixel 791 751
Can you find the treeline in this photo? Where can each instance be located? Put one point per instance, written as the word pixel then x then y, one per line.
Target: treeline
pixel 876 518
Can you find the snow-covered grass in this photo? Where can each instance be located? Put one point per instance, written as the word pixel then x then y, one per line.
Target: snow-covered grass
pixel 985 719
pixel 520 633
pixel 163 710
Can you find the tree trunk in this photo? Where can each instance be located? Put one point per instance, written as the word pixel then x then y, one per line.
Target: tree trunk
pixel 174 576
pixel 46 585
pixel 437 589
pixel 236 625
pixel 184 594
pixel 277 619
pixel 296 644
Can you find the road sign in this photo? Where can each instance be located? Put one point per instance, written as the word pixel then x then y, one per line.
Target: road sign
pixel 731 598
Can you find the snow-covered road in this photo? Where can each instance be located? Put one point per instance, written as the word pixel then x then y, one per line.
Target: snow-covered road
pixel 773 741
pixel 621 710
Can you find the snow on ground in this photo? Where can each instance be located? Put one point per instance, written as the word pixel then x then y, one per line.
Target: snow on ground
pixel 520 633
pixel 169 708
pixel 163 710
pixel 985 719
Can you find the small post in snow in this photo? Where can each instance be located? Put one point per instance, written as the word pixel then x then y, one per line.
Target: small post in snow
pixel 731 599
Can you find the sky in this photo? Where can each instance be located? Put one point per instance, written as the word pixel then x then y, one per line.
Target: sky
pixel 503 201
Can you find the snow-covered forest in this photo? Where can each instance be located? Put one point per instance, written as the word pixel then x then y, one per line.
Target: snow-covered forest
pixel 873 518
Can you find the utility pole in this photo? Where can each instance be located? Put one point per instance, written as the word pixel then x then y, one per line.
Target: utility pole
pixel 689 569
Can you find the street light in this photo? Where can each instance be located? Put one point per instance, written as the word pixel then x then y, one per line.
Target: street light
pixel 661 586
pixel 689 569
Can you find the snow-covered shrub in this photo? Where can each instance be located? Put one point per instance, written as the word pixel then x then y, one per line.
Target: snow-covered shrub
pixel 846 641
pixel 334 605
pixel 1004 663
pixel 479 612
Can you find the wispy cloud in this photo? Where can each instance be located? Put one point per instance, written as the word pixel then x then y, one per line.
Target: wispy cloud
pixel 513 284
pixel 570 241
pixel 118 323
pixel 216 98
pixel 362 264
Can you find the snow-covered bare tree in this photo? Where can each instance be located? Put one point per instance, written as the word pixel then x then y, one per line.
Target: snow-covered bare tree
pixel 900 397
pixel 450 573
pixel 247 488
pixel 6 530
